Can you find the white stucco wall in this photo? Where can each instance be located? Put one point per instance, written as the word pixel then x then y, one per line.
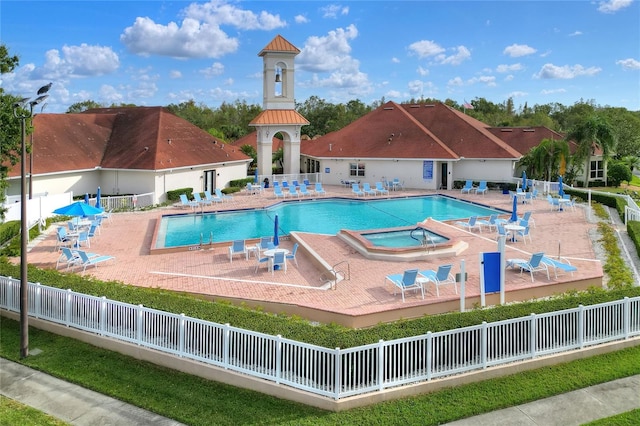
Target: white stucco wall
pixel 489 170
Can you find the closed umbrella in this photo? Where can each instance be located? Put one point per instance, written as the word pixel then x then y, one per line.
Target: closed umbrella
pixel 276 240
pixel 78 209
pixel 86 198
pixel 255 176
pixel 98 198
pixel 524 180
pixel 560 189
pixel 514 213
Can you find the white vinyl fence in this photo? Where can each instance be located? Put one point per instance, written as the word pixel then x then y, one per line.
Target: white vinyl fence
pixel 334 373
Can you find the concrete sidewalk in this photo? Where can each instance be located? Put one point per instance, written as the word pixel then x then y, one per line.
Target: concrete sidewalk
pixel 80 406
pixel 68 402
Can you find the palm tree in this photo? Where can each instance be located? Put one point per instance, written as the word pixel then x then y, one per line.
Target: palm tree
pixel 546 160
pixel 592 133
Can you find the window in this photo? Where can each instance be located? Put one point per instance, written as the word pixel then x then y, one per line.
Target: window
pixel 596 171
pixel 356 169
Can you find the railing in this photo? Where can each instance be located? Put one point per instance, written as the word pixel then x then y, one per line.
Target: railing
pixel 334 373
pixel 124 202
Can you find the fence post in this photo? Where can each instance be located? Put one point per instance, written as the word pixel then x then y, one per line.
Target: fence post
pixel 429 355
pixel 337 382
pixel 533 329
pixel 483 345
pixel 581 326
pixel 139 325
pixel 37 302
pixel 226 345
pixel 278 358
pixel 103 315
pixel 67 316
pixel 381 363
pixel 181 334
pixel 626 317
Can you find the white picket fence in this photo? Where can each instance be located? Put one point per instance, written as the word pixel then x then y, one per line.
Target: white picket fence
pixel 333 373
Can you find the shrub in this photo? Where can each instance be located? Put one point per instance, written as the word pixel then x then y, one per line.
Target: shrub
pixel 174 195
pixel 633 228
pixel 618 173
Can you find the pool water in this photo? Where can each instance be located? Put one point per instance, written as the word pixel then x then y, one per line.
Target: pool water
pixel 404 238
pixel 326 216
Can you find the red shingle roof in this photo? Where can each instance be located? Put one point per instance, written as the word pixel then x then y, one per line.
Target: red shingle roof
pixel 525 138
pixel 136 138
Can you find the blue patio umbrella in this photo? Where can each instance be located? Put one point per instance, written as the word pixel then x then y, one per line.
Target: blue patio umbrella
pixel 514 213
pixel 524 180
pixel 78 209
pixel 560 189
pixel 86 198
pixel 276 240
pixel 98 198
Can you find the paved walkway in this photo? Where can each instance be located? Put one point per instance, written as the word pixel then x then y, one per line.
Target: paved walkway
pixel 80 406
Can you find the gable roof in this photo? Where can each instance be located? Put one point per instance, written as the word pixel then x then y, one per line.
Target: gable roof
pixel 252 140
pixel 279 44
pixel 411 131
pixel 525 138
pixel 134 138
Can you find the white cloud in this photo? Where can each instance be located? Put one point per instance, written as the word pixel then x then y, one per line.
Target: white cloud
pixel 395 60
pixel 418 88
pixel 552 91
pixel 509 68
pixel 517 50
pixel 489 80
pixel 457 82
pixel 422 71
pixel 575 33
pixel 461 55
pixel 333 10
pixel 110 94
pixel 517 94
pixel 550 71
pixel 300 19
pixel 80 61
pixel 425 48
pixel 612 6
pixel 328 53
pixel 510 77
pixel 215 69
pixel 173 74
pixel 199 34
pixel 395 94
pixel 629 64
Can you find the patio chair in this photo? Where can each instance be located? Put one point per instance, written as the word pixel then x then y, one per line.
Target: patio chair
pixel 293 191
pixel 355 188
pixel 490 223
pixel 62 238
pixel 306 182
pixel 380 188
pixel 468 187
pixel 528 198
pixel 442 277
pixel 285 184
pixel 238 247
pixel 397 184
pixel 186 203
pixel 277 191
pixel 260 261
pixel 471 224
pixel 532 265
pixel 366 188
pixel 83 239
pixel 318 189
pixel 304 191
pixel 221 195
pixel 86 260
pixel 561 263
pixel 524 233
pixel 528 218
pixel 405 282
pixel 503 232
pixel 279 259
pixel 265 243
pixel 554 203
pixel 295 184
pixel 292 255
pixel 482 188
pixel 534 194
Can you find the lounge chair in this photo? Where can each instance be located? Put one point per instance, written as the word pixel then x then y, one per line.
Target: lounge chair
pixel 295 184
pixel 277 191
pixel 468 187
pixel 562 264
pixel 355 188
pixel 71 258
pixel 86 260
pixel 221 195
pixel 532 265
pixel 293 191
pixel 238 247
pixel 471 224
pixel 482 188
pixel 442 277
pixel 306 182
pixel 366 188
pixel 201 202
pixel 381 188
pixel 292 255
pixel 285 184
pixel 304 191
pixel 405 282
pixel 186 203
pixel 318 189
pixel 490 223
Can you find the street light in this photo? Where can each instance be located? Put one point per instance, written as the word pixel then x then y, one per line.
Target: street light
pixel 22 114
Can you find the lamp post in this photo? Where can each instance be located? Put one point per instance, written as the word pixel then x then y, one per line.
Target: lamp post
pixel 22 113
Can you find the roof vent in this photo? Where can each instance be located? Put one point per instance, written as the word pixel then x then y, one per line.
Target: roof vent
pixel 528 130
pixel 388 108
pixel 506 130
pixel 414 106
pixel 429 106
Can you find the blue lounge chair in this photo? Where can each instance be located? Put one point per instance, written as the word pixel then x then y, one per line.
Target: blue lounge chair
pixel 442 277
pixel 405 282
pixel 277 191
pixel 381 189
pixel 200 200
pixel 468 187
pixel 186 203
pixel 238 247
pixel 221 195
pixel 562 264
pixel 285 184
pixel 532 265
pixel 304 191
pixel 490 223
pixel 306 182
pixel 86 260
pixel 471 224
pixel 318 189
pixel 366 188
pixel 482 188
pixel 293 191
pixel 295 184
pixel 355 188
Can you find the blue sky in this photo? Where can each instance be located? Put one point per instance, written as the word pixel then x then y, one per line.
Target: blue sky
pixel 159 53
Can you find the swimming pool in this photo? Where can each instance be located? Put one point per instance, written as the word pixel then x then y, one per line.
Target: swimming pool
pixel 327 216
pixel 416 237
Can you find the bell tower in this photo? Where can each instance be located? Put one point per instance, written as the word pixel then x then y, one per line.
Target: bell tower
pixel 278 102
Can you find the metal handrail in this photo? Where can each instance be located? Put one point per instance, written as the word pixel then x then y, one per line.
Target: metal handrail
pixel 336 273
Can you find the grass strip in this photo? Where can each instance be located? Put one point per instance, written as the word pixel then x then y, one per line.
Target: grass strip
pixel 14 413
pixel 630 418
pixel 195 401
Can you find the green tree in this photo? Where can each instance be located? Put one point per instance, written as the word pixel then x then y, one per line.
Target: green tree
pixel 83 106
pixel 250 151
pixel 591 133
pixel 546 160
pixel 617 173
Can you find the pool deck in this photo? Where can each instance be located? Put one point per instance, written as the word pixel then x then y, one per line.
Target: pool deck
pixel 362 300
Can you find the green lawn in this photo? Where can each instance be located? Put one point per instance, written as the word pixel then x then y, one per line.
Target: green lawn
pixel 15 413
pixel 195 401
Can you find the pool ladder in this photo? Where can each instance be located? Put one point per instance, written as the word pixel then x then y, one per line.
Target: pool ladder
pixel 340 274
pixel 425 240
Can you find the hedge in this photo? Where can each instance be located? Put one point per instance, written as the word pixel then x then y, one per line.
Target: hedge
pixel 617 203
pixel 633 228
pixel 174 195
